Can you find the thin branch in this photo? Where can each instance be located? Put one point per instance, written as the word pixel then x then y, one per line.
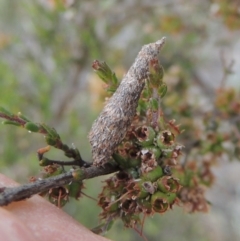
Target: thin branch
pixel 13 194
pixel 226 67
pixel 78 162
pixel 13 118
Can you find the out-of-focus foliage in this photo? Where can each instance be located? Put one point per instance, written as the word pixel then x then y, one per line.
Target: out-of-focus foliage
pixel 46 51
pixel 229 11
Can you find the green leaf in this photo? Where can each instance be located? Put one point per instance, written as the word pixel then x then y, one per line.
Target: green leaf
pixel 6 112
pixel 32 127
pixel 154 104
pixel 51 131
pixel 8 122
pixel 153 175
pixel 162 90
pixel 51 141
pixel 23 117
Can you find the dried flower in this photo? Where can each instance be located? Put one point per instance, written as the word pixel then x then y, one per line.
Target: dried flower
pixel 193 199
pixel 161 202
pixel 58 196
pixel 145 135
pixel 168 184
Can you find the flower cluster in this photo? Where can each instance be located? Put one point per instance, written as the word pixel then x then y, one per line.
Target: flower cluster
pixel 152 179
pixel 127 198
pixel 59 196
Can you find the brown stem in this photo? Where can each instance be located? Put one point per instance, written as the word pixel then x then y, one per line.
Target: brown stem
pixel 13 194
pixel 13 118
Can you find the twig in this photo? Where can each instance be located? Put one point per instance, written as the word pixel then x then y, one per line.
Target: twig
pixel 13 194
pixel 13 118
pixel 226 67
pixel 77 162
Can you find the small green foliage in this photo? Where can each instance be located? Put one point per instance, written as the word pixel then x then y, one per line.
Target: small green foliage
pixel 103 228
pixel 50 140
pixel 8 122
pixel 30 126
pixel 154 105
pixel 50 131
pixel 161 202
pixel 165 139
pixel 58 196
pixel 106 75
pixel 143 192
pixel 44 162
pixel 153 175
pixel 78 174
pixel 6 112
pixel 75 189
pixel 145 135
pixel 120 160
pixel 162 90
pixel 168 184
pixel 154 151
pixel 76 153
pixel 23 117
pixel 156 73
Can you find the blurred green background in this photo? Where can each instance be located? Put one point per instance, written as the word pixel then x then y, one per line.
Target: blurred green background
pixel 46 51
